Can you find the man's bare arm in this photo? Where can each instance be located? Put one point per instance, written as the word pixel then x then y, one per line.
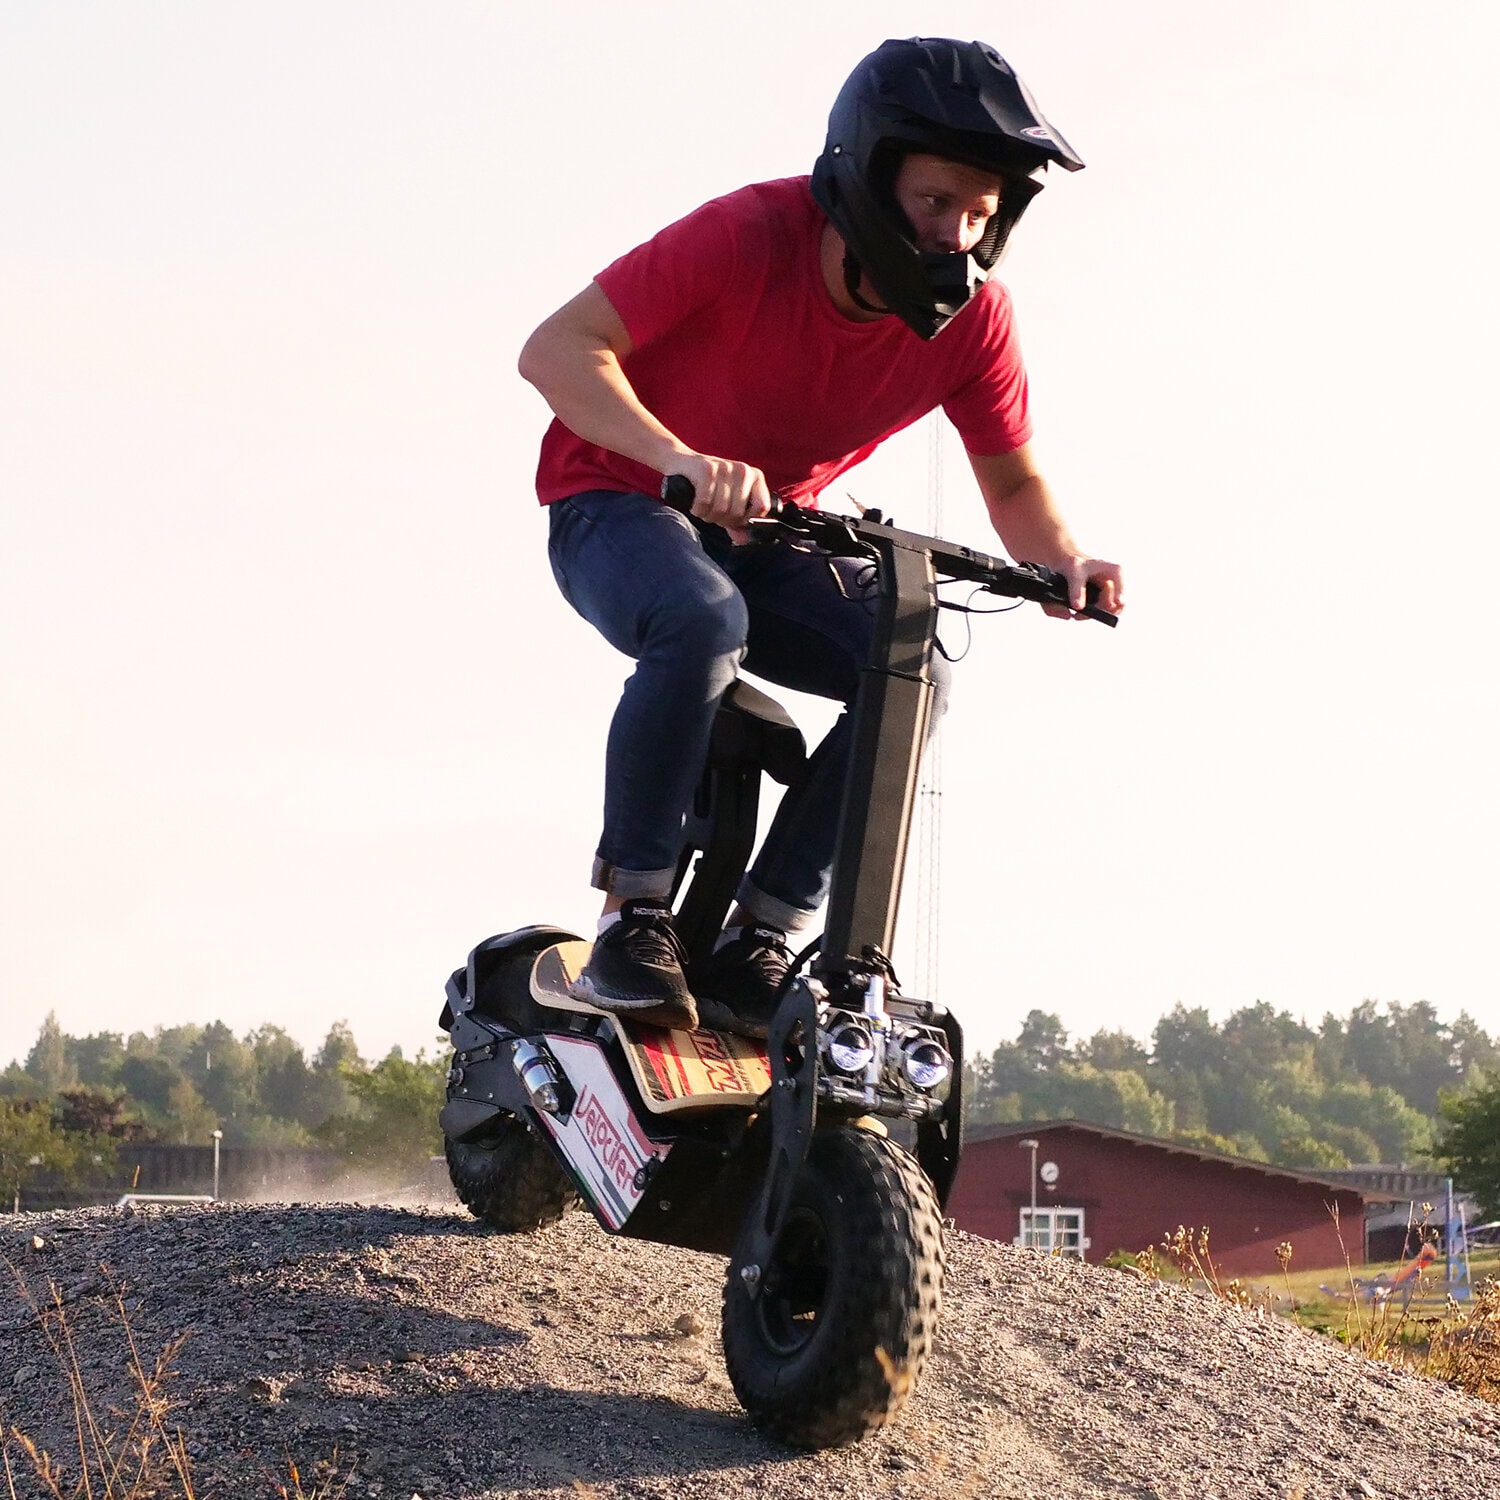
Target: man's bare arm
pixel 1026 519
pixel 574 360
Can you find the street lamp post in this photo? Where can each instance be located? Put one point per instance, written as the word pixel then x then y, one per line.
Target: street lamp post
pixel 1030 1145
pixel 219 1136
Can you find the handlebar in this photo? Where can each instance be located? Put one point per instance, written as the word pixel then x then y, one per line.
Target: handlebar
pixel 841 537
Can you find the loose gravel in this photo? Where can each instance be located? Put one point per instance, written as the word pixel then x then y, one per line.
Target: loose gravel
pixel 435 1360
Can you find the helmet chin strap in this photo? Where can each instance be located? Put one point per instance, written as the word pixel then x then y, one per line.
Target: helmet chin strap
pixel 852 278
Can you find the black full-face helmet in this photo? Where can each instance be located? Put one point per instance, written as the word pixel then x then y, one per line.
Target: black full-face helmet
pixel 959 100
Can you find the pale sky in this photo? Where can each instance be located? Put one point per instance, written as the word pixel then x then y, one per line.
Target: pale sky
pixel 291 713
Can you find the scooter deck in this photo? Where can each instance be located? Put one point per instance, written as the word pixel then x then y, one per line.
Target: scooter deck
pixel 674 1070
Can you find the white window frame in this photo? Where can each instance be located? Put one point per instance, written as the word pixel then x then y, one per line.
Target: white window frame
pixel 1058 1231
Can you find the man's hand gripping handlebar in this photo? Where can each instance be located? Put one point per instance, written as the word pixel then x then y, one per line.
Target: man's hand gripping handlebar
pixel 839 535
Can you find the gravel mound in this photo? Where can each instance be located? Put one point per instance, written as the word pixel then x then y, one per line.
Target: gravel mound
pixel 447 1363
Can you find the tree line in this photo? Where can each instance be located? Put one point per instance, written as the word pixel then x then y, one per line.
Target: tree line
pixel 1366 1087
pixel 1392 1083
pixel 75 1100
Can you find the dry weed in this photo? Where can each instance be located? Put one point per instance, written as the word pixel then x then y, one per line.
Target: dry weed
pixel 330 1483
pixel 1463 1346
pixel 1384 1326
pixel 1189 1253
pixel 135 1454
pixel 1459 1346
pixel 138 1454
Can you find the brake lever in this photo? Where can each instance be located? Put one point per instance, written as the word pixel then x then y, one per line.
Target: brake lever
pixel 1043 585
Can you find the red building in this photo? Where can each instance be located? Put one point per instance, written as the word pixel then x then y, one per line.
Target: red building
pixel 1098 1190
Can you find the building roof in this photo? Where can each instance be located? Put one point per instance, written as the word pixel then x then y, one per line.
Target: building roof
pixel 1398 1180
pixel 1179 1148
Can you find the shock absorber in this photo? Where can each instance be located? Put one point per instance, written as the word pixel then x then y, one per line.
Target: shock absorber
pixel 538 1076
pixel 880 1033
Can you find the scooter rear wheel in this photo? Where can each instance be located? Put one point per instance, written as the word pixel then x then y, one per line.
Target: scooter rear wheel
pixel 512 1183
pixel 831 1345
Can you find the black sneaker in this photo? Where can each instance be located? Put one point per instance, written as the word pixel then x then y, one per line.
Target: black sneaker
pixel 635 969
pixel 739 985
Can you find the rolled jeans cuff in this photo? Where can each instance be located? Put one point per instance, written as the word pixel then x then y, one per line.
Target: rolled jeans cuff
pixel 629 884
pixel 771 911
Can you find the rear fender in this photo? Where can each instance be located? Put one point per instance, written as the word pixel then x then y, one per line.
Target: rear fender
pixel 482 1082
pixel 479 984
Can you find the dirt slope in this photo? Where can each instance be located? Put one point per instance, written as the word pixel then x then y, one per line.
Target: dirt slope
pixel 445 1363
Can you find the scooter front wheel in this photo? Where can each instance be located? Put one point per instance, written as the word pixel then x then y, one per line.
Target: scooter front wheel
pixel 825 1343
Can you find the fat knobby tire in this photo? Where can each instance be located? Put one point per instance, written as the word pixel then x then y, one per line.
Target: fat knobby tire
pixel 841 1330
pixel 512 1184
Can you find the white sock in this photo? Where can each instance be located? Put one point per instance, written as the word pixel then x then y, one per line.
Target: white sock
pixel 608 920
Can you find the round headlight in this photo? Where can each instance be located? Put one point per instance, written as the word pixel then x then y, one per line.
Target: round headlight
pixel 850 1049
pixel 927 1065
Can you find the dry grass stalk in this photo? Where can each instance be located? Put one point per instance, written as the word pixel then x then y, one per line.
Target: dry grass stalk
pixel 143 1459
pixel 1284 1260
pixel 1189 1253
pixel 1465 1346
pixel 1385 1333
pixel 331 1486
pixel 1460 1346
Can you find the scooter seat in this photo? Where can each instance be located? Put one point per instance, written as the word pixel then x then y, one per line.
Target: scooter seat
pixel 753 729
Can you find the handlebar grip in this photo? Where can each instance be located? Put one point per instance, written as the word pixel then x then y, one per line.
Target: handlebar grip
pixel 1092 610
pixel 677 491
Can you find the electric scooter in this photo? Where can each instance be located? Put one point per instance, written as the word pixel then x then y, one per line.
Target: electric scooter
pixel 777 1155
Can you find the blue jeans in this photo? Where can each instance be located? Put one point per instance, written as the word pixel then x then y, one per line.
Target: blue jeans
pixel 691 610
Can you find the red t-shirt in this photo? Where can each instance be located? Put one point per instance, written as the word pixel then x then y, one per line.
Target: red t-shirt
pixel 739 350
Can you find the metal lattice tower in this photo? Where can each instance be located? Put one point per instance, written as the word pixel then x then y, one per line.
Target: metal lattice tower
pixel 928 871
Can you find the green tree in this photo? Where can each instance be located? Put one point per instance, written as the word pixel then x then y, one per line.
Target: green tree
pixel 267 1130
pixel 17 1083
pixel 1246 1145
pixel 187 1121
pixel 983 1103
pixel 1310 1152
pixel 1187 1044
pixel 1396 1131
pixel 1469 1143
pixel 1358 1147
pixel 1206 1140
pixel 1043 1041
pixel 1189 1102
pixel 1473 1050
pixel 339 1050
pixel 31 1145
pixel 1115 1097
pixel 223 1070
pixel 1269 1072
pixel 149 1078
pixel 328 1088
pixel 1019 1067
pixel 97 1058
pixel 394 1123
pixel 1264 1037
pixel 1410 1049
pixel 1278 1123
pixel 98 1113
pixel 1114 1051
pixel 178 1044
pixel 283 1077
pixel 49 1062
pixel 1188 1065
